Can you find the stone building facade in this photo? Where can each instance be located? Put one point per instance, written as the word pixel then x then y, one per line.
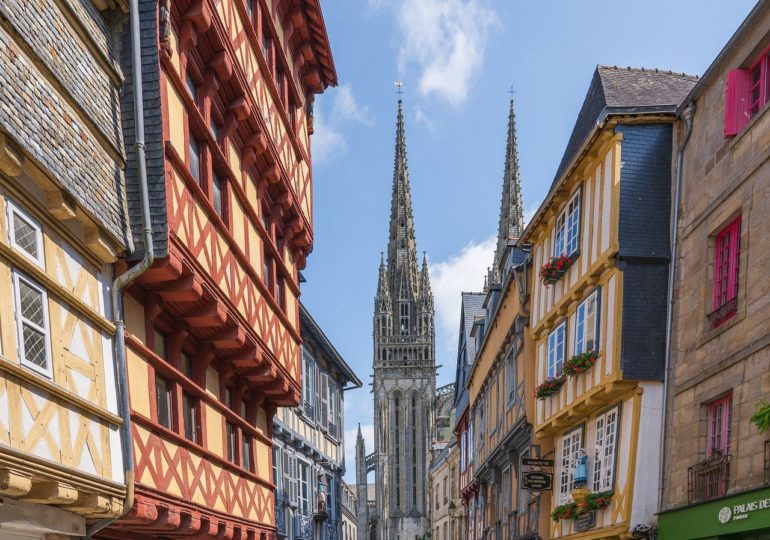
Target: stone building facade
pixel 349 513
pixel 404 373
pixel 63 222
pixel 440 494
pixel 715 457
pixel 308 443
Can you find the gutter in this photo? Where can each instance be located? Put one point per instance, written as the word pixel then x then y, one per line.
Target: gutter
pixel 125 279
pixel 687 115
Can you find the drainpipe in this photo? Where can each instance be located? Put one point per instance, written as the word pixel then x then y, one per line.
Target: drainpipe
pixel 687 115
pixel 130 275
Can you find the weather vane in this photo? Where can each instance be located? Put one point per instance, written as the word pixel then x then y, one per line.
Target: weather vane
pixel 399 85
pixel 511 91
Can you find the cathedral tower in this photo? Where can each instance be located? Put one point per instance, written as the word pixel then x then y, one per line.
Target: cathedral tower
pixel 404 371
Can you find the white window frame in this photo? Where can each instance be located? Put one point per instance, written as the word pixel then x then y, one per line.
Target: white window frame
pixel 12 208
pixel 308 379
pixel 556 361
pixel 566 237
pixel 304 504
pixel 511 383
pixel 20 322
pixel 606 449
pixel 332 414
pixel 567 450
pixel 581 318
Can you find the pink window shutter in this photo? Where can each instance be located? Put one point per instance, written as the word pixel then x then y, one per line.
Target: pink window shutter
pixel 737 101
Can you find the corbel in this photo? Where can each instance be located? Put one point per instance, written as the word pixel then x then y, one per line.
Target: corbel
pixel 312 78
pixel 276 213
pixel 272 173
pixel 222 65
pixel 51 492
pixel 178 336
pixel 249 158
pixel 14 483
pixel 240 107
pixel 153 307
pixel 188 36
pixel 285 200
pixel 211 83
pixel 258 142
pixel 99 245
pixel 198 13
pixel 11 157
pixel 61 206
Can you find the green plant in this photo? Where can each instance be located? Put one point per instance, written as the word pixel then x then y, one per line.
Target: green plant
pixel 580 363
pixel 552 271
pixel 571 510
pixel 761 418
pixel 549 387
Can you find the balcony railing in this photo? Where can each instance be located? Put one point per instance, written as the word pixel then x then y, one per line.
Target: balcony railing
pixel 709 479
pixel 723 312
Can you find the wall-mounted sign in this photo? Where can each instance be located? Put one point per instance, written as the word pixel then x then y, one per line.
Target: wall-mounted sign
pixel 742 510
pixel 537 462
pixel 537 480
pixel 584 521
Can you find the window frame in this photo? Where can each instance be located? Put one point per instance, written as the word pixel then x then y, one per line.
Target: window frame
pixel 169 392
pixel 231 443
pixel 565 471
pixel 558 363
pixel 724 424
pixel 568 220
pixel 602 483
pixel 304 503
pixel 18 277
pixel 579 341
pixel 11 208
pixel 190 407
pixel 727 245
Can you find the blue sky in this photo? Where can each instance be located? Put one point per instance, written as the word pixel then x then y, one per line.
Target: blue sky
pixel 457 59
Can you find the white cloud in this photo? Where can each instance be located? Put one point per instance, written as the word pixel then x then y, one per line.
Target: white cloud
pixel 422 118
pixel 347 108
pixel 463 271
pixel 327 142
pixel 329 124
pixel 446 40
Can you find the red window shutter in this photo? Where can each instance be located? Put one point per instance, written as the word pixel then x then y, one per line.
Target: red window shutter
pixel 737 101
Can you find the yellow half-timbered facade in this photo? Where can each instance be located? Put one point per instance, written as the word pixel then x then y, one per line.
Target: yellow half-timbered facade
pixel 599 245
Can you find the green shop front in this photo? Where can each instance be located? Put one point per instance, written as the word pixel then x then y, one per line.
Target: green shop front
pixel 745 516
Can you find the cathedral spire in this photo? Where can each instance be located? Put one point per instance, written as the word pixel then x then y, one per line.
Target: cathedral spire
pixel 402 248
pixel 511 223
pixel 383 300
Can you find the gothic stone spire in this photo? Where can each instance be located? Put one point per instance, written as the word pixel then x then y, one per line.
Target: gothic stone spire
pixel 402 248
pixel 511 213
pixel 382 300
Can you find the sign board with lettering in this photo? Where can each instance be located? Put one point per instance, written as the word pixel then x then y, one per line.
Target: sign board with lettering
pixel 537 480
pixel 583 522
pixel 537 462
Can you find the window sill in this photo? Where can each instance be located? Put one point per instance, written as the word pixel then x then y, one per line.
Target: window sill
pixel 734 140
pixel 710 332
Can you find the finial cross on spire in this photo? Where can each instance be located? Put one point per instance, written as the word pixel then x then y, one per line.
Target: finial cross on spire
pixel 511 91
pixel 399 88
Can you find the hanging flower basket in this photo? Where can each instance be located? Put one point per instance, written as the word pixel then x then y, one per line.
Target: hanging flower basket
pixel 552 271
pixel 571 510
pixel 549 387
pixel 580 363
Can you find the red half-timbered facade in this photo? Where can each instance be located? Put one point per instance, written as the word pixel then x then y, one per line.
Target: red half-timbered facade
pixel 213 326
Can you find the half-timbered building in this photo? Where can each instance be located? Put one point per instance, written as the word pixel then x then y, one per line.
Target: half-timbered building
pixel 500 384
pixel 308 443
pixel 600 242
pixel 213 326
pixel 62 224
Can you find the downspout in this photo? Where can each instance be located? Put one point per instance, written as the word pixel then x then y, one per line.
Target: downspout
pixel 130 275
pixel 687 115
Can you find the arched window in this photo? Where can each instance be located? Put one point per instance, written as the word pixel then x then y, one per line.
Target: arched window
pixel 404 317
pixel 414 451
pixel 397 452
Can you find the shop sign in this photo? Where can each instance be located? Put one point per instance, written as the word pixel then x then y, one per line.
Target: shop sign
pixel 537 462
pixel 584 521
pixel 537 480
pixel 737 512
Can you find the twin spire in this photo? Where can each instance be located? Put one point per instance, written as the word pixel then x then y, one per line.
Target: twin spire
pixel 511 223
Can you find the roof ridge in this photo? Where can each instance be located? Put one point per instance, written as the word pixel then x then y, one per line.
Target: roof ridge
pixel 647 70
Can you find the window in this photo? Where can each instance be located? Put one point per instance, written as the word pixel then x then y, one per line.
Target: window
pixel 605 449
pixel 727 252
pixel 324 388
pixel 586 318
pixel 215 131
pixel 192 88
pixel 230 435
pixel 280 292
pixel 290 480
pixel 556 350
pixel 404 317
pixel 414 452
pixel 304 487
pixel 25 233
pixel 186 365
pixel 719 414
pixel 227 398
pixel 280 82
pixel 250 9
pixel 32 324
pixel 397 452
pixel 190 412
pixel 244 410
pixel 445 491
pixel 332 415
pixel 246 460
pixel 163 401
pixel 463 444
pixel 747 91
pixel 567 451
pixel 481 424
pixel 195 159
pixel 292 114
pixel 267 272
pixel 470 442
pixel 567 232
pixel 216 195
pixel 510 376
pixel 266 45
pixel 159 344
pixel 307 384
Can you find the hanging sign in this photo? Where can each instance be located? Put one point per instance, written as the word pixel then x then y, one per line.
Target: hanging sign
pixel 585 521
pixel 537 480
pixel 536 462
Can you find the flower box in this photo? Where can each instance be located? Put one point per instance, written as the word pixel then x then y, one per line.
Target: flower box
pixel 552 271
pixel 580 363
pixel 571 510
pixel 549 387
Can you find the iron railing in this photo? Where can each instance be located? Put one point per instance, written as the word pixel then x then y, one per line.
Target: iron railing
pixel 723 312
pixel 709 479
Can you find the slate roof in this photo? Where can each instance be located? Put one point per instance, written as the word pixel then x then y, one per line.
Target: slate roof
pixel 619 90
pixel 472 307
